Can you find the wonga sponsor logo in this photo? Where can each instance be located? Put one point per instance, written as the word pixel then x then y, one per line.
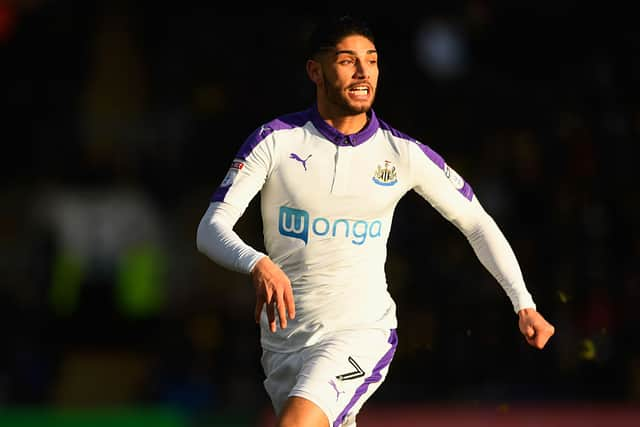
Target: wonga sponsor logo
pixel 296 223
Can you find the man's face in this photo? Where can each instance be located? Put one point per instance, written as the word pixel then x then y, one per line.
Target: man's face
pixel 350 75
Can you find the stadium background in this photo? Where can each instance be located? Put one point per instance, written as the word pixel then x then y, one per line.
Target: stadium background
pixel 120 119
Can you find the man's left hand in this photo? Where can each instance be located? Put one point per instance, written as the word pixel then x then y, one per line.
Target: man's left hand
pixel 534 327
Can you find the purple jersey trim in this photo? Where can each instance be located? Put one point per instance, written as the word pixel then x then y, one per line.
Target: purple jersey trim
pixel 373 378
pixel 337 137
pixel 395 132
pixel 299 119
pixel 288 121
pixel 218 195
pixel 466 189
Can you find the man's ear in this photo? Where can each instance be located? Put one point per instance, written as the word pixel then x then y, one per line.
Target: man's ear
pixel 314 71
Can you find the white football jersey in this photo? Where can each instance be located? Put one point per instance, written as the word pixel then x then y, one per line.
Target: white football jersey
pixel 327 204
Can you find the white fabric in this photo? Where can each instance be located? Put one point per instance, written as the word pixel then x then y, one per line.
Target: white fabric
pixel 327 209
pixel 338 374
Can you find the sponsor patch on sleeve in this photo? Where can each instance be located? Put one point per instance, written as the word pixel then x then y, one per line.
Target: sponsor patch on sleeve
pixel 454 177
pixel 237 164
pixel 229 177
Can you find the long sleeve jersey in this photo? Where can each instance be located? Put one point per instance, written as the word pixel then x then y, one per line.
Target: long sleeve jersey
pixel 327 203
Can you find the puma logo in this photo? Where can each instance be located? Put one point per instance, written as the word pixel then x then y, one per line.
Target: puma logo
pixel 296 157
pixel 335 387
pixel 264 129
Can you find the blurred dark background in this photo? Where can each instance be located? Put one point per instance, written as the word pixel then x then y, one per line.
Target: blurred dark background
pixel 120 118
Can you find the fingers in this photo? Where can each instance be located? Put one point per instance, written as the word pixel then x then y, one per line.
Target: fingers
pixel 285 305
pixel 541 335
pixel 282 312
pixel 280 299
pixel 290 304
pixel 535 328
pixel 271 316
pixel 273 289
pixel 530 332
pixel 269 302
pixel 264 296
pixel 260 302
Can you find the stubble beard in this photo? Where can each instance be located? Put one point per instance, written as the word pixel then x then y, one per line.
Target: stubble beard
pixel 341 103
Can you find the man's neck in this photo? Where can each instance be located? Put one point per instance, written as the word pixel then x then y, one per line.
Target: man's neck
pixel 346 124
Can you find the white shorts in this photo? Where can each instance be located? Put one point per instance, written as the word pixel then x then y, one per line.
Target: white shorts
pixel 338 374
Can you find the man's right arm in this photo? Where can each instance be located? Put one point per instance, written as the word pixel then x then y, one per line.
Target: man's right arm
pixel 216 239
pixel 244 179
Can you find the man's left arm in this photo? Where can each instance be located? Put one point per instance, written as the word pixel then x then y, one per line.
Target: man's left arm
pixel 495 253
pixel 454 199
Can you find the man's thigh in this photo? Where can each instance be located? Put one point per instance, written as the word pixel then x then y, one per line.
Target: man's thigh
pixel 338 374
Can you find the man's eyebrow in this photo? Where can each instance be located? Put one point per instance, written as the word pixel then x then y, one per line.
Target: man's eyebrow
pixel 353 52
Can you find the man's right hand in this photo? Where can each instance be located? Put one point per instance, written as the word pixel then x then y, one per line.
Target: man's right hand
pixel 273 288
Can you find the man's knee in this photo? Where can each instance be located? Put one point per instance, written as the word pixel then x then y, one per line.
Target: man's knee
pixel 300 412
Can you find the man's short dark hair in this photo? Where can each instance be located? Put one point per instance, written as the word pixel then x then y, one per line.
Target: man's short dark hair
pixel 328 33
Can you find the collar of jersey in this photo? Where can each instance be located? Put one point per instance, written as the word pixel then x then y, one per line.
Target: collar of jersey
pixel 340 139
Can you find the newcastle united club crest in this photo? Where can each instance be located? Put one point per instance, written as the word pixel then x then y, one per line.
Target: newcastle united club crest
pixel 385 174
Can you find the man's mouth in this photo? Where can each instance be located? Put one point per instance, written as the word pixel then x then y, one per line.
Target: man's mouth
pixel 362 90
